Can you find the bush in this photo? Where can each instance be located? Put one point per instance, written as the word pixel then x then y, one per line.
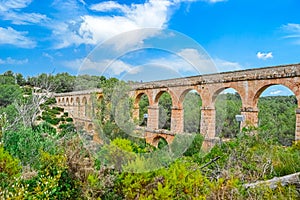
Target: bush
pixel 69 119
pixel 51 182
pixel 9 166
pixel 25 144
pixel 195 147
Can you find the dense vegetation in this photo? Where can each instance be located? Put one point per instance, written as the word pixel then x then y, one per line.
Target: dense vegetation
pixel 43 156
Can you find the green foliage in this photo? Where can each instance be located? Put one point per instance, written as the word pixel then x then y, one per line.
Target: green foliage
pixel 25 144
pixel 9 167
pixel 51 101
pixel 8 78
pixel 114 110
pixel 196 146
pixel 253 157
pixel 162 143
pixel 84 82
pixel 143 109
pixel 192 112
pixel 179 181
pixel 56 164
pixel 69 119
pixel 280 193
pixel 51 182
pixel 227 106
pixel 9 93
pixel 165 105
pixel 277 117
pixel 118 153
pixel 63 82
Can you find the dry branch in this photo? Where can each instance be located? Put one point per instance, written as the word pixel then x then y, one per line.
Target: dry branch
pixel 291 179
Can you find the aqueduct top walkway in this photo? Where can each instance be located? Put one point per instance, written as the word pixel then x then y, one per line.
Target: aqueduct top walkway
pixel 248 83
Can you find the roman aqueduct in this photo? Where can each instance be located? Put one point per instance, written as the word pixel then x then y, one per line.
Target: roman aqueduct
pixel 248 83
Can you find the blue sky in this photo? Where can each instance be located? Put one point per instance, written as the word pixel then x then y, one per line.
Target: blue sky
pixel 68 35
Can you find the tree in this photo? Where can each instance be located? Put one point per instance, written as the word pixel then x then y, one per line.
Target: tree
pixel 192 112
pixel 165 109
pixel 8 80
pixel 143 109
pixel 277 117
pixel 20 79
pixel 63 82
pixel 227 106
pixel 9 93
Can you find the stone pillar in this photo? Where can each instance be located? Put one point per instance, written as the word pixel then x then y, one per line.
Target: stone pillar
pixel 177 120
pixel 297 134
pixel 82 111
pixel 251 117
pixel 208 122
pixel 153 114
pixel 136 113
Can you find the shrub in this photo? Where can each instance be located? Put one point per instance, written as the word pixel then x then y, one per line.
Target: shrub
pixel 69 119
pixel 25 144
pixel 9 166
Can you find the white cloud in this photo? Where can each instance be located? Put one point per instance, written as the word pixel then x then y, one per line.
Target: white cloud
pixel 107 67
pixel 215 1
pixel 13 37
pixel 109 6
pixel 292 28
pixel 152 14
pixel 6 5
pixel 12 61
pixel 224 65
pixel 200 61
pixel 293 31
pixel 66 35
pixel 11 10
pixel 186 62
pixel 46 55
pixel 82 1
pixel 264 56
pixel 112 19
pixel 24 18
pixel 275 92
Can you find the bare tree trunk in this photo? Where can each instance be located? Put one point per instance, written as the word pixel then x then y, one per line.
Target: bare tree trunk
pixel 291 179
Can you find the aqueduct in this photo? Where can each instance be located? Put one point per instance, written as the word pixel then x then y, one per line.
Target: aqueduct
pixel 248 83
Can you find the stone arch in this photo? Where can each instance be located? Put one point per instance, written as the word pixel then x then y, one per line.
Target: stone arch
pixel 156 140
pixel 136 108
pixel 77 100
pixel 160 92
pixel 63 100
pixel 227 106
pixel 67 101
pixel 72 101
pixel 138 97
pixel 59 100
pixel 165 116
pixel 184 93
pixel 84 106
pixel 84 100
pixel 262 88
pixel 221 89
pixel 265 105
pixel 90 127
pixel 191 126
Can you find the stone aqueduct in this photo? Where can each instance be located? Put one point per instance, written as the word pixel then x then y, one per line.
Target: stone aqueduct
pixel 248 83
